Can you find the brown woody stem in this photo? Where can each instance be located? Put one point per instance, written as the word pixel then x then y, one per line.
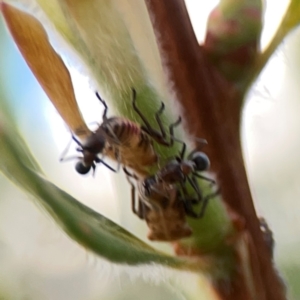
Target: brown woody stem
pixel 212 107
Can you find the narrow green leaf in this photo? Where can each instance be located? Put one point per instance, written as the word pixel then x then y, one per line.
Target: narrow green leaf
pixel 290 21
pixel 87 227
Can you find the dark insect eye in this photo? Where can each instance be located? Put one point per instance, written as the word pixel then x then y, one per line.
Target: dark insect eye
pixel 81 168
pixel 201 161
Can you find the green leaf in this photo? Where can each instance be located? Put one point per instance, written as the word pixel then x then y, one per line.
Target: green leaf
pixel 290 20
pixel 90 229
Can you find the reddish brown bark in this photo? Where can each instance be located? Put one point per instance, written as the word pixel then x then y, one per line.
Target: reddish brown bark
pixel 212 107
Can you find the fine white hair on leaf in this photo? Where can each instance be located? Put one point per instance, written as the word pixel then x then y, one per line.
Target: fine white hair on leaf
pixel 151 273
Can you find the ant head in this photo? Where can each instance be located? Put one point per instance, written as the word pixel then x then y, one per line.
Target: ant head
pixel 201 161
pixel 81 168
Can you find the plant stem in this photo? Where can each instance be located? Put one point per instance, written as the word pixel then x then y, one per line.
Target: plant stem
pixel 212 107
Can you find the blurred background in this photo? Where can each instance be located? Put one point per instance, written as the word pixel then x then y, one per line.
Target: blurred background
pixel 38 261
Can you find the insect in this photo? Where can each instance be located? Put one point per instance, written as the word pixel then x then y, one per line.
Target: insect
pixel 124 141
pixel 164 208
pixel 161 207
pixel 180 170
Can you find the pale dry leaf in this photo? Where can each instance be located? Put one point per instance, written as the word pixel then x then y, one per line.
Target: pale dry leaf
pixel 47 66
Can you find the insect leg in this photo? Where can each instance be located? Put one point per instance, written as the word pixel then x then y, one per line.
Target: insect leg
pixel 76 141
pixel 104 117
pixel 194 183
pixel 94 169
pixel 141 209
pixel 204 178
pixel 205 202
pixel 171 131
pixel 136 109
pixel 183 189
pixel 70 158
pixel 147 126
pixel 128 176
pixel 62 157
pixel 99 160
pixel 162 138
pixel 182 152
pixel 189 208
pixel 158 120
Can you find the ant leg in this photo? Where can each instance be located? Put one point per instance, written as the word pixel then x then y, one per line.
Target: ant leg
pixel 171 131
pixel 99 160
pixel 182 152
pixel 62 157
pixel 204 178
pixel 159 137
pixel 189 208
pixel 94 169
pixel 133 199
pixel 104 117
pixel 70 158
pixel 141 209
pixel 193 182
pixel 191 153
pixel 158 120
pixel 162 137
pixel 76 141
pixel 183 189
pixel 136 109
pixel 128 176
pixel 205 203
